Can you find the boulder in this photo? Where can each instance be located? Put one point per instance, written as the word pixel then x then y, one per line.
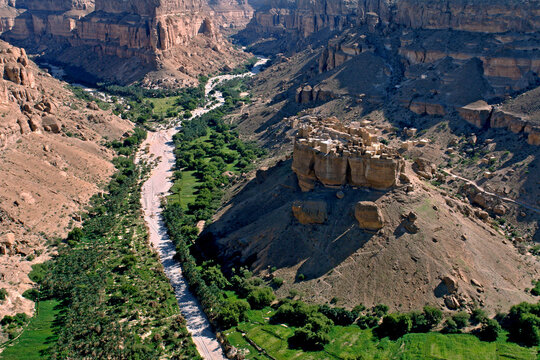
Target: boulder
pixel 499 209
pixel 409 223
pixel 310 212
pixel 451 302
pixel 476 113
pixel 424 168
pixel 50 124
pixel 481 214
pixel 451 283
pixel 35 123
pixel 369 215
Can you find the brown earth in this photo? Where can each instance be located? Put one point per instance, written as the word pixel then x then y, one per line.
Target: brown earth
pixel 52 160
pixel 393 266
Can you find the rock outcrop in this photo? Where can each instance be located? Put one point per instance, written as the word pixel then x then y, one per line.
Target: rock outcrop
pixel 477 113
pixel 482 115
pixel 369 215
pixel 310 212
pixel 328 152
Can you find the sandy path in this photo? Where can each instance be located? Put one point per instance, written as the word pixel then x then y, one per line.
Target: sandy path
pixel 161 147
pixel 503 198
pixel 158 184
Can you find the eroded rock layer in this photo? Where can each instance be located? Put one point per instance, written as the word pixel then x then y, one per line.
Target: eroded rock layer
pixel 437 55
pixel 122 41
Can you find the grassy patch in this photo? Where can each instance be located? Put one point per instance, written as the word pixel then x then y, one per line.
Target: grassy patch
pixel 185 190
pixel 162 105
pixel 37 337
pixel 349 342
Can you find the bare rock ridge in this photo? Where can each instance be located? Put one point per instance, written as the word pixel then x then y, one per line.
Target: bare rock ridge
pixel 437 56
pixel 122 41
pixel 51 158
pixel 327 151
pixel 481 115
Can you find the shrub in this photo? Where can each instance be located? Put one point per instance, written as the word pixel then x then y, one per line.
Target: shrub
pixel 314 335
pixel 478 316
pixel 380 310
pixel 75 236
pixel 212 275
pixel 38 272
pixel 358 309
pixel 260 297
pixel 339 316
pixel 31 294
pixel 536 289
pixel 295 313
pixel 366 322
pixel 523 324
pixel 461 319
pixel 233 313
pixel 394 326
pixel 433 316
pixel 277 282
pixel 450 327
pixel 489 331
pixel 3 294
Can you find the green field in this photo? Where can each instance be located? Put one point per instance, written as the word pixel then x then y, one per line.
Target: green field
pixel 351 342
pixel 37 337
pixel 162 105
pixel 185 189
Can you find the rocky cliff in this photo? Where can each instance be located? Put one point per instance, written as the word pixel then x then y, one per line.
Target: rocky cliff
pixel 123 41
pixel 488 16
pixel 51 159
pixel 432 58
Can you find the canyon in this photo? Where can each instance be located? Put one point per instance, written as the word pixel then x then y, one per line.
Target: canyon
pixel 161 43
pixel 402 141
pixel 435 57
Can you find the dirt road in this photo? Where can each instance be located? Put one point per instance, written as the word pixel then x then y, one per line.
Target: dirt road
pixel 161 148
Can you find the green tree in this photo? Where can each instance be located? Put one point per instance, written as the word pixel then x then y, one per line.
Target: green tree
pixel 260 297
pixel 489 331
pixel 394 326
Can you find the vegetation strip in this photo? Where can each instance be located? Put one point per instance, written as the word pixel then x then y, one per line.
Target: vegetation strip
pixel 115 301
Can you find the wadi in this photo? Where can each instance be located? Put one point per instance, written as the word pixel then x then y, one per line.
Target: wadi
pixel 269 179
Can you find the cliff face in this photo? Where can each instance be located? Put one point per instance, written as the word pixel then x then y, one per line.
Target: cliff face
pixel 123 41
pixel 490 16
pixel 434 56
pixel 300 18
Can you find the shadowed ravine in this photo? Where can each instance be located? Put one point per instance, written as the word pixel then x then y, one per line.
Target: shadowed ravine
pixel 161 147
